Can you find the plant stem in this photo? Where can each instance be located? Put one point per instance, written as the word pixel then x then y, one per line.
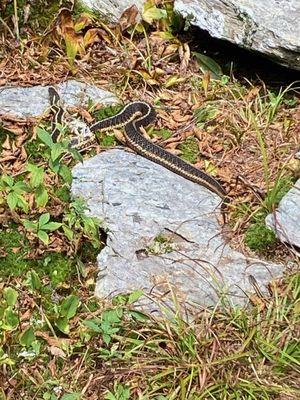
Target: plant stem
pixel 16 20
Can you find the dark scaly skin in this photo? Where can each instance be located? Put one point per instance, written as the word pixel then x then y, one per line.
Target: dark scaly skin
pixel 134 116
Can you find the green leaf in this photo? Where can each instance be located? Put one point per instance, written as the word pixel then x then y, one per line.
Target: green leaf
pixel 75 154
pixel 22 203
pixel 208 64
pixel 41 196
pixel 65 173
pixel 69 306
pixel 93 325
pixel 12 200
pixel 72 46
pixel 4 359
pixel 153 13
pixel 68 232
pixel 54 165
pixel 134 296
pixel 56 150
pixel 33 280
pixel 72 396
pixel 27 337
pixel 10 296
pixel 44 218
pixel 37 175
pixel 11 319
pixel 63 325
pixel 8 180
pixel 113 316
pixel 43 236
pixel 45 137
pixel 52 226
pixel 20 187
pixel 106 338
pixel 139 316
pixel 30 225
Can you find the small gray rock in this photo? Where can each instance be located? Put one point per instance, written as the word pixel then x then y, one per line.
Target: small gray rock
pixel 33 102
pixel 162 233
pixel 285 221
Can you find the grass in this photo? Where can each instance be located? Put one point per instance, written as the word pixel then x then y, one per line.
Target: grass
pixel 228 353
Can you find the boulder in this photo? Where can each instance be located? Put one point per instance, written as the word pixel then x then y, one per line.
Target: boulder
pixel 285 221
pixel 163 233
pixel 33 102
pixel 270 27
pixel 110 9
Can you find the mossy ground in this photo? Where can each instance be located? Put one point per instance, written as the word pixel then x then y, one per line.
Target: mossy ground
pixel 189 149
pixel 16 260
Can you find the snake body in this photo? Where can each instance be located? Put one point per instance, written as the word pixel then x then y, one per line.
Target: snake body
pixel 141 114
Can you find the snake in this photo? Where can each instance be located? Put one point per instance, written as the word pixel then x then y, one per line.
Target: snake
pixel 133 117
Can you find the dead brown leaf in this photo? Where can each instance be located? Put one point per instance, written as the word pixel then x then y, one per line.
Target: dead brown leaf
pixel 128 18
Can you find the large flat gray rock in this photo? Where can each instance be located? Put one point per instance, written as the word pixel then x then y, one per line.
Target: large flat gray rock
pixel 33 102
pixel 269 26
pixel 162 232
pixel 285 221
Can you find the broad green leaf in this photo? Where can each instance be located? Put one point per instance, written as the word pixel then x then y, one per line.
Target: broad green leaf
pixel 68 232
pixel 45 137
pixel 10 295
pixel 22 203
pixel 52 226
pixel 71 396
pixel 4 359
pixel 93 325
pixel 21 187
pixel 36 347
pixel 76 155
pixel 106 338
pixel 44 218
pixel 112 316
pixel 12 200
pixel 54 165
pixel 208 64
pixel 33 280
pixel 56 150
pixel 63 325
pixel 27 337
pixel 69 306
pixel 43 236
pixel 153 13
pixel 37 175
pixel 139 316
pixel 8 180
pixel 30 225
pixel 134 296
pixel 11 319
pixel 65 173
pixel 41 196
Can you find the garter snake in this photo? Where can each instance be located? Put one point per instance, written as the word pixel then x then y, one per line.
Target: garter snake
pixel 132 117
